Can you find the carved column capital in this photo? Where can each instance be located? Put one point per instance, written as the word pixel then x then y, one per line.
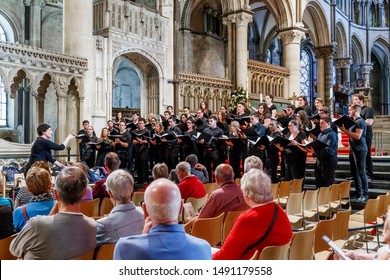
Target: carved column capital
pixel 39 3
pixel 325 51
pixel 342 62
pixel 292 35
pixel 243 18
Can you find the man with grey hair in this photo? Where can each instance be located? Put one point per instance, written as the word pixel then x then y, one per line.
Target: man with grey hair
pixel 124 219
pixel 67 233
pixel 163 238
pixel 228 196
pixel 252 162
pixel 190 185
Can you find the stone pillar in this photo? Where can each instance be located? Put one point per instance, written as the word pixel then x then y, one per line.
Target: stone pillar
pixel 40 108
pixel 327 54
pixel 79 42
pixel 368 13
pixel 291 40
pixel 381 14
pixel 167 10
pixel 366 69
pixel 360 13
pixel 36 7
pixel 228 21
pixel 242 20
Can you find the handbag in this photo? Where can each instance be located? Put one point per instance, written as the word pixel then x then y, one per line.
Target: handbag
pixel 267 232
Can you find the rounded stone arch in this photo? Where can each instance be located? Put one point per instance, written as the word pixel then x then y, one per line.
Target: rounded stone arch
pixel 11 32
pixel 342 42
pixel 382 44
pixel 315 20
pixel 282 12
pixel 358 53
pixel 191 6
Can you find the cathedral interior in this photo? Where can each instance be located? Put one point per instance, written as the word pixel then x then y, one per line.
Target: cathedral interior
pixel 63 61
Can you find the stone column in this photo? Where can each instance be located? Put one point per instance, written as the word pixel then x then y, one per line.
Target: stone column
pixel 327 54
pixel 40 108
pixel 167 10
pixel 381 13
pixel 368 13
pixel 366 69
pixel 228 21
pixel 242 20
pixel 79 42
pixel 36 7
pixel 360 13
pixel 291 40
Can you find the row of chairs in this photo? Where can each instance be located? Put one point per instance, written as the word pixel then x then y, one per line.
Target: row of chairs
pixel 308 244
pixel 309 206
pixel 103 252
pixel 213 230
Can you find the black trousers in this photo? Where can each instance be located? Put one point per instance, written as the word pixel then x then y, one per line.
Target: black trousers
pixel 369 167
pixel 324 171
pixel 210 160
pixel 141 161
pixel 357 160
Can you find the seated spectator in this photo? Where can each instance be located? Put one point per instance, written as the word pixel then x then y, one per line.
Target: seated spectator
pixel 65 235
pixel 160 170
pixel 197 169
pixel 88 192
pixel 38 182
pixel 24 195
pixel 266 221
pixel 111 163
pixel 228 196
pixel 163 238
pixel 124 219
pixel 6 221
pixel 252 162
pixel 190 185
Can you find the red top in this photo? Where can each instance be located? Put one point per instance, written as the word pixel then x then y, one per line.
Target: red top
pixel 100 191
pixel 191 186
pixel 250 227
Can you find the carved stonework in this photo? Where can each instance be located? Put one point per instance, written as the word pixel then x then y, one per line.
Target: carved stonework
pixel 326 51
pixel 292 36
pixel 243 19
pixel 342 63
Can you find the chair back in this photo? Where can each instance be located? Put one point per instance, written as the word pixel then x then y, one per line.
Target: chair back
pixel 86 256
pixel 334 193
pixel 5 254
pixel 344 192
pixel 275 190
pixel 275 252
pixel 90 208
pixel 341 225
pixel 323 227
pixel 310 199
pixel 197 203
pixel 229 221
pixel 384 202
pixel 296 185
pixel 371 211
pixel 209 229
pixel 301 247
pixel 106 206
pixel 210 187
pixel 284 189
pixel 105 252
pixel 255 255
pixel 137 198
pixel 294 203
pixel 323 196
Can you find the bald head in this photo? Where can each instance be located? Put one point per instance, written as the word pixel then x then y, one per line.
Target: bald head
pixel 163 201
pixel 224 174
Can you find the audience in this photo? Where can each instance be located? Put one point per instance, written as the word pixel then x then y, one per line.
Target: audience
pixel 65 235
pixel 252 162
pixel 124 219
pixel 111 163
pixel 190 185
pixel 163 238
pixel 160 170
pixel 38 182
pixel 266 221
pixel 228 196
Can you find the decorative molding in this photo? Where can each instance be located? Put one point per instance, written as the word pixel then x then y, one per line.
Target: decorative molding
pixel 292 36
pixel 194 78
pixel 266 68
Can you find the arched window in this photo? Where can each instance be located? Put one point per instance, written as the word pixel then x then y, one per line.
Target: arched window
pixel 306 73
pixel 2 34
pixel 3 105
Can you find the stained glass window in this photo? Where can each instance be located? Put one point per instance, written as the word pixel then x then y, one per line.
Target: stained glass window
pixel 305 73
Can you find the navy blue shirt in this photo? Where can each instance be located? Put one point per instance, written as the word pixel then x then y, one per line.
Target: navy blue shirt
pixel 359 145
pixel 329 137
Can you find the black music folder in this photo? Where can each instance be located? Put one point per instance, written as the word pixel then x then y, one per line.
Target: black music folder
pixel 346 121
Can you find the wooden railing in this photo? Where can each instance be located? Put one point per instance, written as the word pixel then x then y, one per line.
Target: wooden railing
pixel 378 140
